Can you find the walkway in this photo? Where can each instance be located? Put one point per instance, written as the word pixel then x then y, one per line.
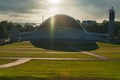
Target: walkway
pixel 24 60
pixel 18 62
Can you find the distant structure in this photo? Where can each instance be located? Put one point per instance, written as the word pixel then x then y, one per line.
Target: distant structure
pixel 88 22
pixel 111 22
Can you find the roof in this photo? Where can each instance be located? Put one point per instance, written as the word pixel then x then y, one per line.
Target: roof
pixel 61 20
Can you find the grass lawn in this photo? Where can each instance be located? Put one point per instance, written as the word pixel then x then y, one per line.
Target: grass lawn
pixel 42 55
pixel 107 48
pixel 63 70
pixel 5 61
pixel 26 49
pixel 111 55
pixel 60 70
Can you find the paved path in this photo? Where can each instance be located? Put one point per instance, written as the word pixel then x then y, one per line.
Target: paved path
pixel 18 62
pixel 95 55
pixel 24 60
pixel 50 58
pixel 85 52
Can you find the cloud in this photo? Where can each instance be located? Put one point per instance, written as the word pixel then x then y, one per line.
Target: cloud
pixel 98 9
pixel 86 9
pixel 20 6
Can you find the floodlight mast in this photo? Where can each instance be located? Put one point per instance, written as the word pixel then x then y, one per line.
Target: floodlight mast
pixel 111 23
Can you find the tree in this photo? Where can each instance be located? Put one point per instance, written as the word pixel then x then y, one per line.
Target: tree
pixel 117 28
pixel 93 27
pixel 28 27
pixel 3 30
pixel 9 26
pixel 18 27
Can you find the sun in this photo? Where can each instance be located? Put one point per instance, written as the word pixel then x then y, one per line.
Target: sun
pixel 54 1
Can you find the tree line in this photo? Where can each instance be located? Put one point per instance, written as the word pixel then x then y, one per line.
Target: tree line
pixel 6 27
pixel 103 28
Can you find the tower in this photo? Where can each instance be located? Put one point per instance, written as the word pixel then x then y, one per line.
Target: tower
pixel 111 22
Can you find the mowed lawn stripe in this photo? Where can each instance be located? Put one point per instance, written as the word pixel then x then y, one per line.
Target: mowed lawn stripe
pixel 42 55
pixel 111 55
pixel 98 70
pixel 18 50
pixel 107 48
pixel 5 61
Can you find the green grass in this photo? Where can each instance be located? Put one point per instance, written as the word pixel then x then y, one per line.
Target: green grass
pixel 26 49
pixel 111 55
pixel 64 70
pixel 21 46
pixel 60 70
pixel 39 55
pixel 107 48
pixel 6 61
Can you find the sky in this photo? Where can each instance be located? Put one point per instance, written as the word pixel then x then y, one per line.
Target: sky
pixel 31 11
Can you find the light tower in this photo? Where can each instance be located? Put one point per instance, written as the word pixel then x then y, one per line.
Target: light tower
pixel 111 22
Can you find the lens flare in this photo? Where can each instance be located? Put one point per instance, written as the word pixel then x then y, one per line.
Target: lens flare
pixel 52 27
pixel 52 31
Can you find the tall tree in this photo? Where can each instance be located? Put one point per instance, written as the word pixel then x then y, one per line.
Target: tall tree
pixel 3 29
pixel 28 27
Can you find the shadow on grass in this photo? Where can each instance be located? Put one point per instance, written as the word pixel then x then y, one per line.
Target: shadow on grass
pixel 68 45
pixel 54 78
pixel 9 42
pixel 6 43
pixel 116 42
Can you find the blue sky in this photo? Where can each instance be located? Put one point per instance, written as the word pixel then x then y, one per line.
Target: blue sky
pixel 32 10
